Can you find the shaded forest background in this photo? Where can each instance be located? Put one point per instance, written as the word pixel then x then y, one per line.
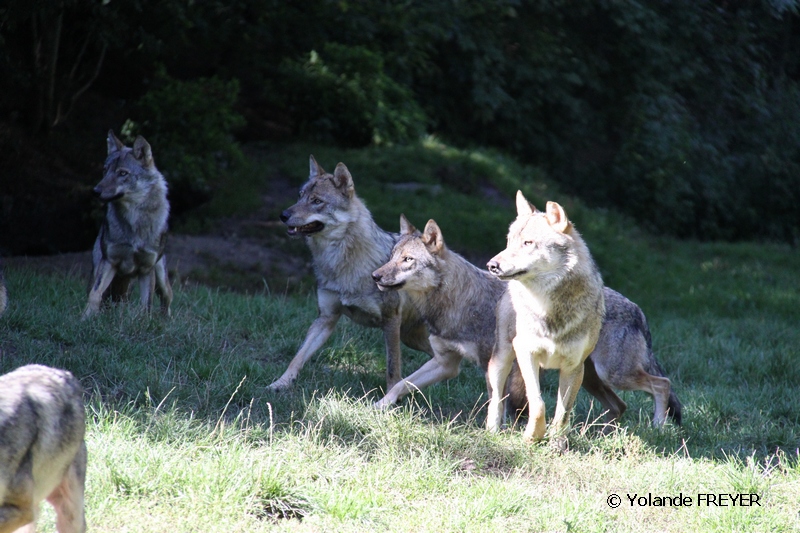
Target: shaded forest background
pixel 684 114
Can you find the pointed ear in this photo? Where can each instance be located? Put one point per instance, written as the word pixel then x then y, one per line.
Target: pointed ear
pixel 557 218
pixel 406 227
pixel 142 152
pixel 432 237
pixel 523 206
pixel 114 144
pixel 343 180
pixel 314 170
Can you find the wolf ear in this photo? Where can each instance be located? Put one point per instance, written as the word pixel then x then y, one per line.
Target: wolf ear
pixel 114 144
pixel 557 218
pixel 523 206
pixel 432 237
pixel 314 169
pixel 406 227
pixel 142 152
pixel 343 180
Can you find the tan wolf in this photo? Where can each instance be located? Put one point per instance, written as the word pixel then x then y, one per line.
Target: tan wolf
pixel 134 231
pixel 622 359
pixel 455 299
pixel 550 316
pixel 42 449
pixel 346 247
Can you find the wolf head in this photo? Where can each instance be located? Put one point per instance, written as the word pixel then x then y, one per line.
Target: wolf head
pixel 325 200
pixel 129 174
pixel 413 265
pixel 539 243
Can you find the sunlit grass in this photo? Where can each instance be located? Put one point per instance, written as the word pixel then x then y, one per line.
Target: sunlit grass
pixel 183 435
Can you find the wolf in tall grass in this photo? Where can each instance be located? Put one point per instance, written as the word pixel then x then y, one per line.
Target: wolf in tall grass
pixel 347 246
pixel 550 316
pixel 134 231
pixel 42 449
pixel 458 303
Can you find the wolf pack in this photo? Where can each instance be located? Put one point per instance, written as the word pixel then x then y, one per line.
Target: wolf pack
pixel 539 304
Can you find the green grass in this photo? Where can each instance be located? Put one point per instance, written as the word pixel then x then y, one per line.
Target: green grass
pixel 183 436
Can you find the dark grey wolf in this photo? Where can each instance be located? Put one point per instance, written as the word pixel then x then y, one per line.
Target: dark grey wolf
pixel 346 247
pixel 134 232
pixel 622 359
pixel 42 449
pixel 550 316
pixel 455 299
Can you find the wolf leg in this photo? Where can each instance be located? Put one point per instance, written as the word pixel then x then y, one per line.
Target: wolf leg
pixel 496 376
pixel 659 387
pixel 444 365
pixel 67 497
pixel 394 357
pixel 102 279
pixel 569 381
pixel 595 386
pixel 528 362
pixel 18 508
pixel 163 288
pixel 147 284
pixel 330 310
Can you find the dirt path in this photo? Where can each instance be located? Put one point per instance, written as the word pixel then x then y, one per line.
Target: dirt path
pixel 240 253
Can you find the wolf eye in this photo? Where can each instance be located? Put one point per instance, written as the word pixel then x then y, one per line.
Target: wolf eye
pixel 122 173
pixel 528 243
pixel 407 259
pixel 316 201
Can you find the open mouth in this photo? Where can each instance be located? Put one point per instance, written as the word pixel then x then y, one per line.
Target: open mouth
pixel 382 286
pixel 307 229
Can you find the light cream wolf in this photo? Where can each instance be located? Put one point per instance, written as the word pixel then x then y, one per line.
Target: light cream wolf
pixel 42 449
pixel 550 316
pixel 346 247
pixel 622 359
pixel 134 231
pixel 455 299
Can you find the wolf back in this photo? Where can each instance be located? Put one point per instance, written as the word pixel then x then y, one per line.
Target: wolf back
pixel 42 449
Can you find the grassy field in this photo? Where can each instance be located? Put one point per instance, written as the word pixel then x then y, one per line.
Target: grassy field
pixel 183 436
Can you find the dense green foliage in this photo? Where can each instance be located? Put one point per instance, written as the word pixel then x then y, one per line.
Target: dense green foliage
pixel 190 123
pixel 682 113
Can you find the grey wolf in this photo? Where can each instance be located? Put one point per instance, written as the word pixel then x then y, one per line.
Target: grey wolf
pixel 3 292
pixel 42 449
pixel 622 359
pixel 346 247
pixel 134 231
pixel 550 316
pixel 455 299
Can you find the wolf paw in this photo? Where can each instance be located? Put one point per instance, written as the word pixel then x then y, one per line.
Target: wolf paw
pixel 280 385
pixel 383 403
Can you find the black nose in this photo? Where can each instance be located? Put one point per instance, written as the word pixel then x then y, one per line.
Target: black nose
pixel 493 266
pixel 377 277
pixel 96 191
pixel 285 216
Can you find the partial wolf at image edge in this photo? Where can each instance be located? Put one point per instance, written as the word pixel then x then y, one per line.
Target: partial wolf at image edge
pixel 3 292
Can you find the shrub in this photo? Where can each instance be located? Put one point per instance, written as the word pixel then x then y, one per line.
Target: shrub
pixel 343 95
pixel 190 125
